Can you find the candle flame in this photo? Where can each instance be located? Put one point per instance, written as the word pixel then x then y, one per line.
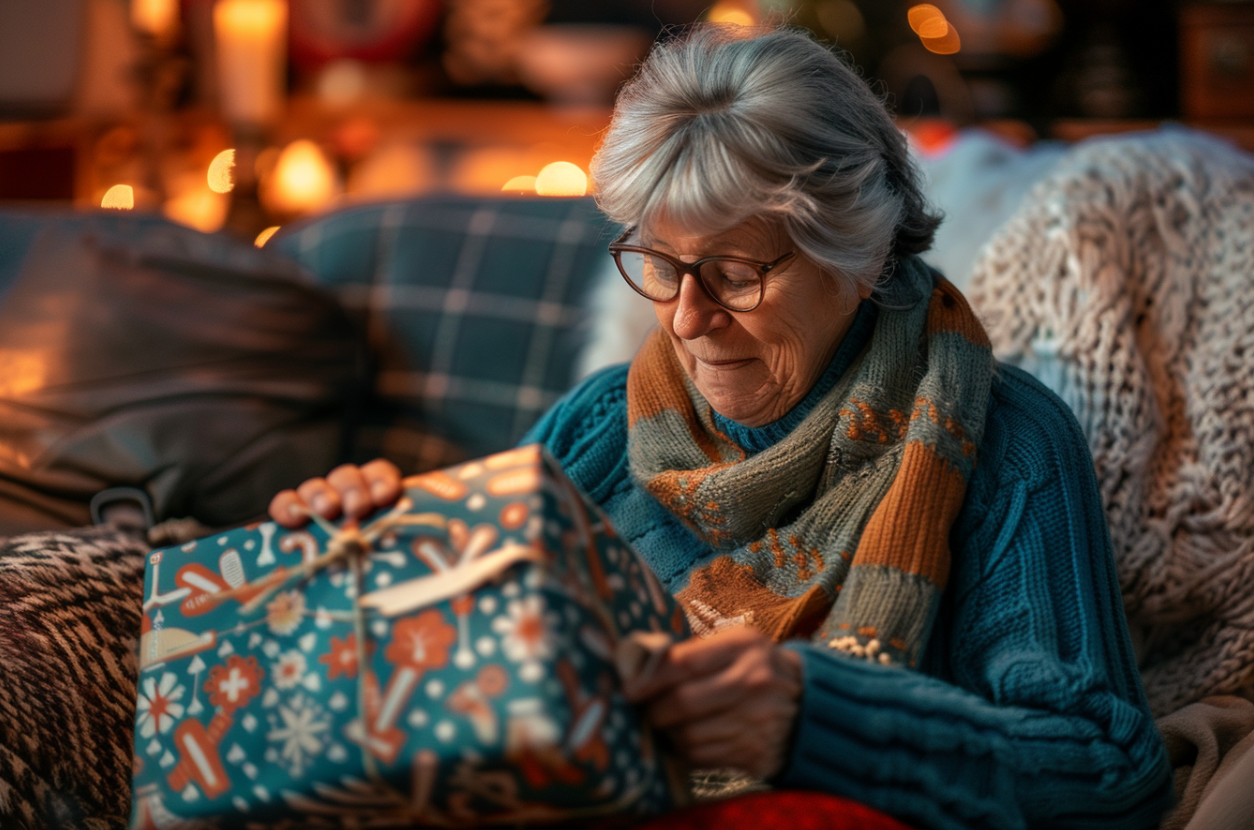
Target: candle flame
pixel 561 178
pixel 264 236
pixel 250 15
pixel 119 197
pixel 221 172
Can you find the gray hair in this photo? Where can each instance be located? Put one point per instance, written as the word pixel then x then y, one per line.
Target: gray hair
pixel 724 123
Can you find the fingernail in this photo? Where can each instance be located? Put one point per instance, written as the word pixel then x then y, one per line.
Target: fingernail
pixel 353 500
pixel 379 489
pixel 320 503
pixel 295 511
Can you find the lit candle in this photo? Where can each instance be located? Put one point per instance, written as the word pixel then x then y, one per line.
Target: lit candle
pixel 251 41
pixel 155 17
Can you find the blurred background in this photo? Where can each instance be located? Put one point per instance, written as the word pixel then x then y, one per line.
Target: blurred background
pixel 247 114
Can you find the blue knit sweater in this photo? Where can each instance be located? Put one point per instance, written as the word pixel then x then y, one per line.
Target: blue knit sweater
pixel 1027 710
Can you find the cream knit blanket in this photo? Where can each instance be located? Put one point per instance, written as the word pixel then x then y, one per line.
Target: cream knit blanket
pixel 1125 282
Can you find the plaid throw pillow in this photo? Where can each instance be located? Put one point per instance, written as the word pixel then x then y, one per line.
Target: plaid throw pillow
pixel 473 309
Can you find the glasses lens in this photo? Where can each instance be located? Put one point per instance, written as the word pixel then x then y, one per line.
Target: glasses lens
pixel 734 284
pixel 653 276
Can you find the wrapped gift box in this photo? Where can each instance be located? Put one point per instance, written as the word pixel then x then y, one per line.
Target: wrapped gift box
pixel 487 607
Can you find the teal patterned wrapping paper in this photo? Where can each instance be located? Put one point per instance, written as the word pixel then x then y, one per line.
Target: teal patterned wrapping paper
pixel 488 699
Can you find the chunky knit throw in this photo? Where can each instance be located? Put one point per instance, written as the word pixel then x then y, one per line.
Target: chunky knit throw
pixel 1126 283
pixel 841 529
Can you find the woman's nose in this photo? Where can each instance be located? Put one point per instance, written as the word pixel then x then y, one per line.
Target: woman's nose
pixel 696 314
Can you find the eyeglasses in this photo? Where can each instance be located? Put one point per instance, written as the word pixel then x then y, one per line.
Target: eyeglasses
pixel 733 282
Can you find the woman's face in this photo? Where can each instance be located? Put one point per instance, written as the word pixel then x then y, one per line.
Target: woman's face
pixel 754 366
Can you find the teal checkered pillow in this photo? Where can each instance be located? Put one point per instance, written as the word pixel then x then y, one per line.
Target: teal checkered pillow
pixel 473 308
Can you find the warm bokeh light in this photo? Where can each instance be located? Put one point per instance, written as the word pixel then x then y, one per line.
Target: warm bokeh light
pixel 393 171
pixel 302 181
pixel 933 28
pixel 155 17
pixel 21 372
pixel 925 14
pixel 561 178
pixel 196 206
pixel 520 184
pixel 221 172
pixel 119 197
pixel 731 13
pixel 946 44
pixel 264 236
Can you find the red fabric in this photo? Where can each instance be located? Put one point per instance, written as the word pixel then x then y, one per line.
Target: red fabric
pixel 793 810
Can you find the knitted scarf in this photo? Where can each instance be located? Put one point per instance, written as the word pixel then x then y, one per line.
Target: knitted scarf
pixel 840 530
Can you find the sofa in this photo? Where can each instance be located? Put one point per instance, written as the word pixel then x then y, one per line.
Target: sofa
pixel 156 382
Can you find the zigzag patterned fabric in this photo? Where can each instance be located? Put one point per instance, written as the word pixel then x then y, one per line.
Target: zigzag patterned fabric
pixel 840 531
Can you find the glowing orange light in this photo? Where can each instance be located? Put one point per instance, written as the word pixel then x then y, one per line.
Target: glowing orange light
pixel 119 197
pixel 250 37
pixel 303 179
pixel 156 17
pixel 730 13
pixel 925 14
pixel 946 44
pixel 221 172
pixel 520 184
pixel 264 236
pixel 561 178
pixel 21 372
pixel 196 206
pixel 934 28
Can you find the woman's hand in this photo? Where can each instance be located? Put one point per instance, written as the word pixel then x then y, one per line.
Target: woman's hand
pixel 353 491
pixel 729 700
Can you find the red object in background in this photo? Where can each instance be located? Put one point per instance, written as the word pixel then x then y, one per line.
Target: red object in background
pixel 365 30
pixel 795 810
pixel 37 173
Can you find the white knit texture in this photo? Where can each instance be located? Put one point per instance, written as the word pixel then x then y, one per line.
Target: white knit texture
pixel 1125 281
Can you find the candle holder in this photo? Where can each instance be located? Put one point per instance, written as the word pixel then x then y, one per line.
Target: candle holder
pixel 250 40
pixel 246 217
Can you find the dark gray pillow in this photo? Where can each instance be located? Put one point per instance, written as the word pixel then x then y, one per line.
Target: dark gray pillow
pixel 138 353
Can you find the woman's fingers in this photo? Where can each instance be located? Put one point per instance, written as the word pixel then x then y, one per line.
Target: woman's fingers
pixel 701 698
pixel 288 509
pixel 736 704
pixel 350 486
pixel 383 482
pixel 694 658
pixel 357 491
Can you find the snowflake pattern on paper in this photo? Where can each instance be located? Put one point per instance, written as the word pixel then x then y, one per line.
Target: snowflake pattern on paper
pixel 300 729
pixel 159 705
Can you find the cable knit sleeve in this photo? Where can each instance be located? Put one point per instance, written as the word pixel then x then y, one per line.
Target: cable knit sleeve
pixel 1028 711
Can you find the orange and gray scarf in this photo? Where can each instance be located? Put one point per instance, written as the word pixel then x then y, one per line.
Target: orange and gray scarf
pixel 841 530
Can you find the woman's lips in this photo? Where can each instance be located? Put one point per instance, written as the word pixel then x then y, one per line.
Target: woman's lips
pixel 723 364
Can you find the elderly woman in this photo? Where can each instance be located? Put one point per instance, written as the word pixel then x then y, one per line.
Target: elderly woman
pixel 892 549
